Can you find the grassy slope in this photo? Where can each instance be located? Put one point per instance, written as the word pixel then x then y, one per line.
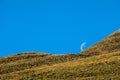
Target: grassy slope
pixel 102 67
pixel 107 45
pixel 39 66
pixel 31 60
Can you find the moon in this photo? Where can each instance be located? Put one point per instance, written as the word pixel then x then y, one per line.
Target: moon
pixel 82 46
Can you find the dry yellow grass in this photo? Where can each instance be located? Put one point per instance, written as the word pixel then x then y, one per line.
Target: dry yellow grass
pixel 107 45
pixel 84 66
pixel 102 67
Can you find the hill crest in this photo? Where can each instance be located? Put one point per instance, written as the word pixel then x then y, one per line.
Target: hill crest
pixel 107 45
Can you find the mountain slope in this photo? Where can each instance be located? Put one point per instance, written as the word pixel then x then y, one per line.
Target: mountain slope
pixel 30 60
pixel 107 45
pixel 84 66
pixel 102 67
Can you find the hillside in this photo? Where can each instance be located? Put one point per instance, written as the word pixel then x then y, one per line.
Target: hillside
pixel 107 45
pixel 30 60
pixel 102 67
pixel 84 66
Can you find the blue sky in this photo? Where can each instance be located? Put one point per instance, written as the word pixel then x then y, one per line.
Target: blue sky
pixel 55 26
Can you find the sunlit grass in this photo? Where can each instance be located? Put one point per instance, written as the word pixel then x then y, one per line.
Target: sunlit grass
pixel 99 62
pixel 103 67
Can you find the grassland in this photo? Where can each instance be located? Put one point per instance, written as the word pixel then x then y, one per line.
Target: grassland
pixel 107 45
pixel 102 67
pixel 99 62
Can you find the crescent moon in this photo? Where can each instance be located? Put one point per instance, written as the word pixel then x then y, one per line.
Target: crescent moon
pixel 82 46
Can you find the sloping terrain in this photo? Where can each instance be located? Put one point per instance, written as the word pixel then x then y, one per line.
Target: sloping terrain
pixel 101 67
pixel 30 60
pixel 84 66
pixel 107 45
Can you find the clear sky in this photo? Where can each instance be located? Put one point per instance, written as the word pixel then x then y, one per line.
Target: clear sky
pixel 55 26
